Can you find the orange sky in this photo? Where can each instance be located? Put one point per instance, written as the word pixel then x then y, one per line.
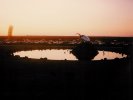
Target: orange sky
pixel 67 17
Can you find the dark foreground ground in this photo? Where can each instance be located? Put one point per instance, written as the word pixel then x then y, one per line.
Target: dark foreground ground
pixel 82 80
pixel 23 78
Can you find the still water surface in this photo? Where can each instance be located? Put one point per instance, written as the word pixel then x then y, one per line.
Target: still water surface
pixel 62 54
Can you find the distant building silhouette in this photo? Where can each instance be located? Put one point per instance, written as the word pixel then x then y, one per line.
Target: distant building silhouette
pixel 10 31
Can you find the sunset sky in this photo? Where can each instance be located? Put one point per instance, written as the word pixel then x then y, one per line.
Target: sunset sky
pixel 67 17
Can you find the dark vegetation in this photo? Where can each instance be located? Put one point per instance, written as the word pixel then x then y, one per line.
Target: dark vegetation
pixel 51 79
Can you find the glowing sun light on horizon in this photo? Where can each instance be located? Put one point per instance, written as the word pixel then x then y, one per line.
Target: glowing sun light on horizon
pixel 67 17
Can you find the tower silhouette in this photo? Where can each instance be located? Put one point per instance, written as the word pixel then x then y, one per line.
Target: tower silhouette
pixel 10 31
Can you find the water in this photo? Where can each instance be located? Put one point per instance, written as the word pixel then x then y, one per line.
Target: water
pixel 61 54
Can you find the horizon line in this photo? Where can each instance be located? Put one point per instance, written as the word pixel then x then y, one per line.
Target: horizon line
pixel 59 36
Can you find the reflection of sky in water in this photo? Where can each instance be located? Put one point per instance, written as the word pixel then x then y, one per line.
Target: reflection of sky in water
pixel 108 55
pixel 61 54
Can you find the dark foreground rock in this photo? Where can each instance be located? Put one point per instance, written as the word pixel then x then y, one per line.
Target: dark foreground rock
pixel 85 51
pixel 65 80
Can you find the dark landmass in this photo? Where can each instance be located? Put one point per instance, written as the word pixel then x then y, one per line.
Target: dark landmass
pixel 51 79
pixel 108 40
pixel 101 80
pixel 84 51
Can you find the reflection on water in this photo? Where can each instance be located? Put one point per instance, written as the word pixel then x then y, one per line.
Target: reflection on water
pixel 62 54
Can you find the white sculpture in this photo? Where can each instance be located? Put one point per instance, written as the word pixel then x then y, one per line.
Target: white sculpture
pixel 84 38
